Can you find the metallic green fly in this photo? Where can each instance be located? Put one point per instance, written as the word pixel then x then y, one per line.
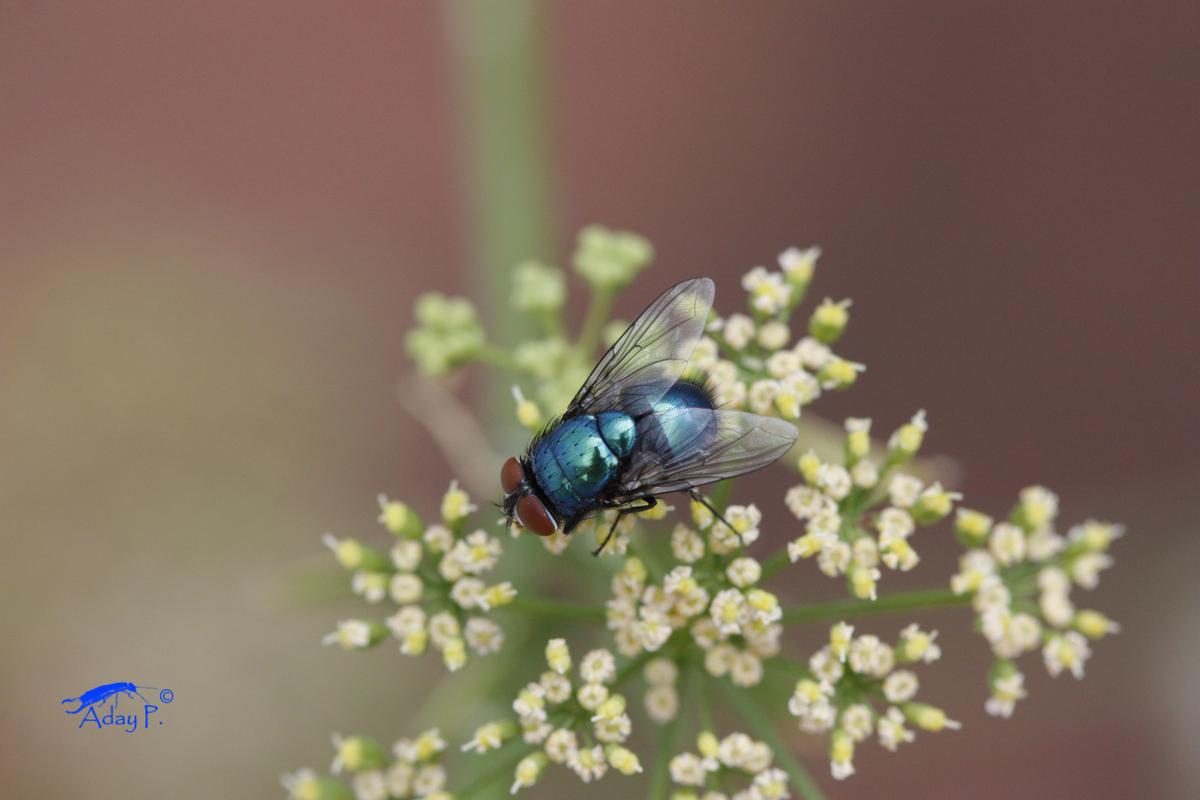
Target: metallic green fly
pixel 641 426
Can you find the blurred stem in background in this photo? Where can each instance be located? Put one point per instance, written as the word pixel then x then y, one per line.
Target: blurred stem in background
pixel 503 124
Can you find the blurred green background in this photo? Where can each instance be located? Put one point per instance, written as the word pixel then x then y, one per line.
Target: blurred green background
pixel 214 218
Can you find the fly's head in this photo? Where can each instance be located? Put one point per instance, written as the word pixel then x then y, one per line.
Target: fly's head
pixel 520 501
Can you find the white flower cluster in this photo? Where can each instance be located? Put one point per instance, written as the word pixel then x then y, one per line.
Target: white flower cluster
pixel 564 719
pixel 413 771
pixel 837 505
pixel 435 575
pixel 752 359
pixel 716 600
pixel 1019 575
pixel 735 754
pixel 848 676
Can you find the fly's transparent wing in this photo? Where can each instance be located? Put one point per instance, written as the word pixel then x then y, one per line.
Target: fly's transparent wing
pixel 687 448
pixel 651 354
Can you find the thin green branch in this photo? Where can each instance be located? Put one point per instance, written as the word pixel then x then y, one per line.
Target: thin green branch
pixel 700 697
pixel 760 725
pixel 774 564
pixel 901 601
pixel 629 670
pixel 557 609
pixel 502 359
pixel 499 769
pixel 593 325
pixel 660 773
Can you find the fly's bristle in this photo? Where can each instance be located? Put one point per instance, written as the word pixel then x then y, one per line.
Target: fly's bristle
pixel 700 379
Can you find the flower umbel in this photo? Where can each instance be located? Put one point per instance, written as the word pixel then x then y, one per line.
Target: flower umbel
pixel 699 603
pixel 436 577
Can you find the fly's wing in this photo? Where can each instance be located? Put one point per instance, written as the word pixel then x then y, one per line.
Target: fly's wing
pixel 651 354
pixel 716 445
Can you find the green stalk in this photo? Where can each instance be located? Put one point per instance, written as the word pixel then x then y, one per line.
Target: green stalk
pixel 774 564
pixel 629 670
pixel 761 726
pixel 593 325
pixel 700 697
pixel 503 134
pixel 660 774
pixel 499 769
pixel 556 609
pixel 900 601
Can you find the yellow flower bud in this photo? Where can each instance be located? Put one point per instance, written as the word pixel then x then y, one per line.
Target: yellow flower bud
pixel 659 511
pixel 858 445
pixel 933 505
pixel 399 518
pixel 839 373
pixel 808 465
pixel 907 439
pixel 353 554
pixel 863 581
pixel 707 744
pixel 1093 624
pixel 972 527
pixel 499 594
pixel 358 753
pixel 611 708
pixel 1095 536
pixel 805 546
pixel 307 785
pixel 414 642
pixel 841 754
pixel 456 504
pixel 622 759
pixel 528 770
pixel 454 653
pixel 798 265
pixel 635 569
pixel 428 745
pixel 840 636
pixel 528 414
pixel 928 717
pixel 829 321
pixel 558 656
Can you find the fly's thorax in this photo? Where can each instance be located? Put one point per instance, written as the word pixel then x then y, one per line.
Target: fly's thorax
pixel 619 432
pixel 577 459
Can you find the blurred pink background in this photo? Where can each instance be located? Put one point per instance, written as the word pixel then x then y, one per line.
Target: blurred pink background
pixel 214 218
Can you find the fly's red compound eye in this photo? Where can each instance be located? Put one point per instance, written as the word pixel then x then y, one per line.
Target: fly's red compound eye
pixel 532 514
pixel 512 475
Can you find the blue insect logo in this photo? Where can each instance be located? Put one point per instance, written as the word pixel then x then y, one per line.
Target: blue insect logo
pixel 101 695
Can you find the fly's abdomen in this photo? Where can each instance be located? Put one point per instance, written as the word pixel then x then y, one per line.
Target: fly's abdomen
pixel 575 461
pixel 679 420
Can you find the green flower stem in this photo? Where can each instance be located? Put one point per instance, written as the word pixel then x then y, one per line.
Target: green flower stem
pixel 660 772
pixel 493 355
pixel 700 697
pixel 654 569
pixel 761 726
pixel 900 601
pixel 629 670
pixel 557 609
pixel 593 325
pixel 721 493
pixel 503 766
pixel 774 564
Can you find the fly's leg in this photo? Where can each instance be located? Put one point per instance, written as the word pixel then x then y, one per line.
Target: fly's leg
pixel 647 503
pixel 699 498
